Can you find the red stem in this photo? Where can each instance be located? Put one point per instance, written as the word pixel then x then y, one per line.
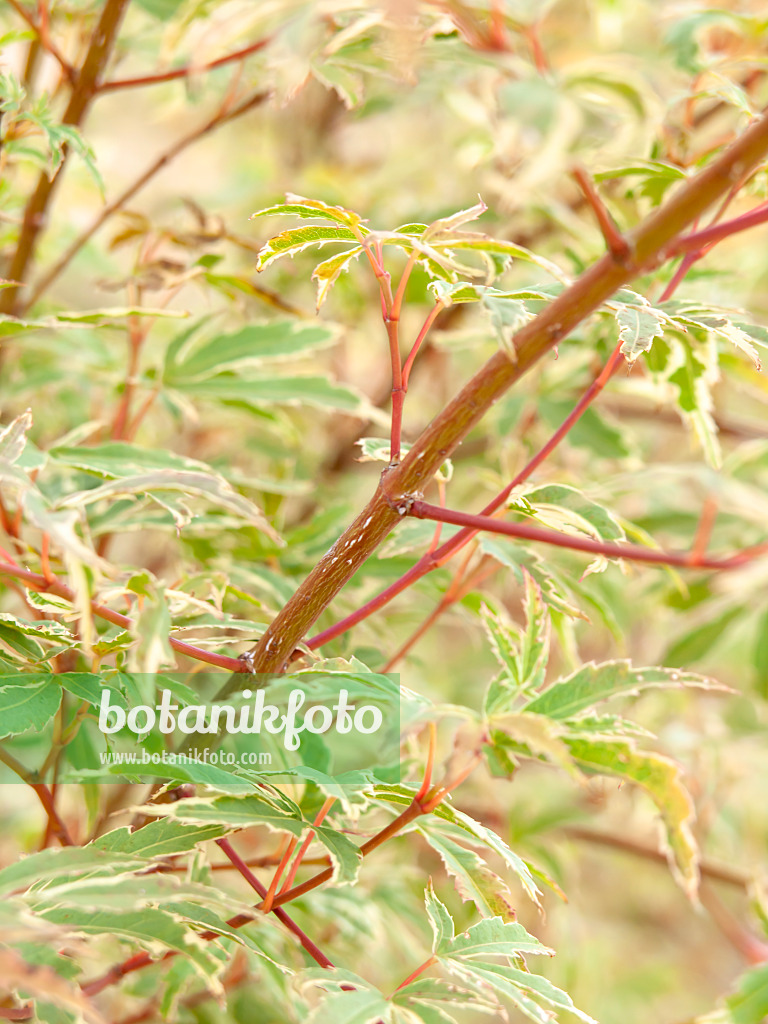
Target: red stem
pixel 317 954
pixel 431 317
pixel 633 552
pixel 436 558
pixel 38 582
pixel 188 69
pixel 716 232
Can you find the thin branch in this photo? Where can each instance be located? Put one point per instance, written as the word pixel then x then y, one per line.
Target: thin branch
pixel 42 33
pixel 737 877
pixel 186 70
pixel 135 963
pixel 317 954
pixel 432 560
pixel 83 92
pixel 44 795
pixel 632 552
pixel 223 116
pixel 648 244
pixel 327 805
pixel 717 232
pixel 431 317
pixel 616 243
pixel 39 582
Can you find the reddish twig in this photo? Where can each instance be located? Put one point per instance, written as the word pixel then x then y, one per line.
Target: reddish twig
pixel 186 70
pixel 40 583
pixel 632 552
pixel 614 240
pixel 317 954
pixel 414 810
pixel 717 232
pixel 41 30
pixel 327 805
pixel 432 560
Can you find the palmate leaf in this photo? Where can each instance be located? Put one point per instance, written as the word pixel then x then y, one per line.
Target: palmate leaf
pixel 460 826
pixel 526 991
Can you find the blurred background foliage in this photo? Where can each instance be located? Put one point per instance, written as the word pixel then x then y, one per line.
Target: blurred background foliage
pixel 405 112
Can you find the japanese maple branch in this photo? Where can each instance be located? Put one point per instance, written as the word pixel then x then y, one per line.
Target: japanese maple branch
pixel 223 115
pixel 83 92
pixel 415 809
pixel 633 552
pixel 434 559
pixel 186 70
pixel 38 582
pixel 648 247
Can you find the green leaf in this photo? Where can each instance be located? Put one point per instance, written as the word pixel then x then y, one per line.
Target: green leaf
pixel 153 929
pixel 328 272
pixel 638 326
pixel 660 777
pixel 28 707
pixel 210 486
pixel 593 683
pixel 492 937
pixel 441 921
pixel 13 438
pixel 163 837
pixel 355 1007
pixel 248 347
pixel 289 243
pixel 575 509
pixel 749 1003
pixel 448 225
pixel 526 991
pixel 318 392
pixel 309 209
pixel 473 879
pixel 507 316
pixel 72 861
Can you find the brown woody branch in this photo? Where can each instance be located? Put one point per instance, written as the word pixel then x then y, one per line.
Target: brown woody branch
pixel 650 244
pixel 83 92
